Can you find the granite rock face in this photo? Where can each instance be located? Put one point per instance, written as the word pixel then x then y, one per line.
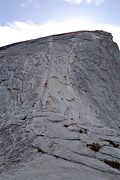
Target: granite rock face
pixel 60 108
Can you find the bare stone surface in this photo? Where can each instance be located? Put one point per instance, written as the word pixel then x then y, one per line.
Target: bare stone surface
pixel 60 108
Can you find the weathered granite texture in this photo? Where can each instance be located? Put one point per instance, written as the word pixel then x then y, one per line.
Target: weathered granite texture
pixel 60 108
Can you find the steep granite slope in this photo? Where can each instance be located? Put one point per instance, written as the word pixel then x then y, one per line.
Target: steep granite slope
pixel 60 108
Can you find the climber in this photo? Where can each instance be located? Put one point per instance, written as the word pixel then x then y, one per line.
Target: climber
pixel 46 83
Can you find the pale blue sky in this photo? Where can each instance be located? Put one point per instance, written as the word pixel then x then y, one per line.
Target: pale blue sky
pixel 20 14
pixel 40 11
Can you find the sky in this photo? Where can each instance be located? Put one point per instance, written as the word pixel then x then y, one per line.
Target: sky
pixel 28 19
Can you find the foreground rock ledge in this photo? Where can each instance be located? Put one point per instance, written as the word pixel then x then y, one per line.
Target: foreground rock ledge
pixel 60 108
